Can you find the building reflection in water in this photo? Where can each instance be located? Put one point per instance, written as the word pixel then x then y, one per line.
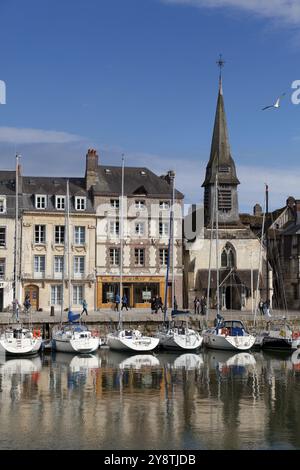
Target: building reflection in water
pixel 211 400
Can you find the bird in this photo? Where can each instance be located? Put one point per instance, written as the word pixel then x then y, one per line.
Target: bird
pixel 276 104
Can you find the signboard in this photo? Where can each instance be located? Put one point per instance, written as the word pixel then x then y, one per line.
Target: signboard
pixel 146 295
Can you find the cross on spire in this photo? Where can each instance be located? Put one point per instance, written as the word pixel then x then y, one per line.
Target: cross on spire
pixel 221 62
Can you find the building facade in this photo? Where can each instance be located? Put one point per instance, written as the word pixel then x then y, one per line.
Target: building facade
pixel 235 251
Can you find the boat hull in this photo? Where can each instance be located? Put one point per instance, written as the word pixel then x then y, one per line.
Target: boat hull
pixel 75 346
pixel 231 343
pixel 23 347
pixel 176 342
pixel 143 344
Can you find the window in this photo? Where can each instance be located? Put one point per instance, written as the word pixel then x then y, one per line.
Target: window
pixel 2 268
pixel 139 255
pixel 58 266
pixel 163 229
pixel 59 234
pixel 163 256
pixel 40 234
pixel 79 235
pixel 78 266
pixel 139 228
pixel 228 257
pixel 60 202
pixel 56 295
pixel 77 295
pixel 114 256
pixel 3 236
pixel 224 200
pixel 80 203
pixel 139 204
pixel 114 228
pixel 164 205
pixel 2 204
pixel 40 201
pixel 39 265
pixel 115 203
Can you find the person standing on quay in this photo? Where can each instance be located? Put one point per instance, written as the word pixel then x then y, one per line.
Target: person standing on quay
pixel 84 308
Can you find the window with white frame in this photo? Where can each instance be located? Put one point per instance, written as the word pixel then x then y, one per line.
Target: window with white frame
pixel 2 237
pixel 139 228
pixel 56 295
pixel 114 256
pixel 79 235
pixel 39 234
pixel 2 204
pixel 115 203
pixel 39 265
pixel 163 256
pixel 77 295
pixel 139 256
pixel 163 229
pixel 78 266
pixel 2 268
pixel 40 201
pixel 140 204
pixel 164 205
pixel 114 227
pixel 80 203
pixel 59 234
pixel 60 202
pixel 58 265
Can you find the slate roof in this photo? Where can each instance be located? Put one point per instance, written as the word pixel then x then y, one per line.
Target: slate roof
pixel 137 180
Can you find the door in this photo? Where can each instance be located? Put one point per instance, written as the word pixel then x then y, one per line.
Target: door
pixel 126 292
pixel 33 292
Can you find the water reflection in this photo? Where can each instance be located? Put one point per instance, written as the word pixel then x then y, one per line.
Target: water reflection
pixel 212 400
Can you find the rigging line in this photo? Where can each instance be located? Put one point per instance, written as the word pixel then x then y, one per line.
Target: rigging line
pixel 260 263
pixel 279 273
pixel 210 253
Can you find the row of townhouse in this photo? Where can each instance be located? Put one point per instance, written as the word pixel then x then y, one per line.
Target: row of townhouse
pixel 90 269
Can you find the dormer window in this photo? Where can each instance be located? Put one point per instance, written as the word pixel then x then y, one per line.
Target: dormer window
pixel 164 205
pixel 80 203
pixel 2 204
pixel 60 202
pixel 40 201
pixel 140 204
pixel 115 203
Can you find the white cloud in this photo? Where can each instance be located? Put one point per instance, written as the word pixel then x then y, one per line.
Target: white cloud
pixel 287 11
pixel 14 135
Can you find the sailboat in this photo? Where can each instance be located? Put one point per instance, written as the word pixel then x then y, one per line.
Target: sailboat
pixel 127 339
pixel 17 340
pixel 177 338
pixel 73 337
pixel 227 334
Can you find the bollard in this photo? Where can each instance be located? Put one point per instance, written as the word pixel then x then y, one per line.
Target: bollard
pixel 52 311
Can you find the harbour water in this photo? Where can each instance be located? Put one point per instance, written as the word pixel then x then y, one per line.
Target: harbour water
pixel 210 400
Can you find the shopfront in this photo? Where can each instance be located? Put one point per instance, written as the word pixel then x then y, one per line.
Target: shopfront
pixel 139 290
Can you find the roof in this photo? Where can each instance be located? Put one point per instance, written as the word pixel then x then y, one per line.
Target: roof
pixel 220 160
pixel 137 181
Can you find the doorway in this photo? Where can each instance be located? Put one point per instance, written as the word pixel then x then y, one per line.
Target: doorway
pixel 126 292
pixel 233 297
pixel 33 292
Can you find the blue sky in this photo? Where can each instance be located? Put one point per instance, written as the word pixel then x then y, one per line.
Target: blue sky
pixel 139 77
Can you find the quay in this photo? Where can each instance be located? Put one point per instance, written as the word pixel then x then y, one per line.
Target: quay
pixel 106 320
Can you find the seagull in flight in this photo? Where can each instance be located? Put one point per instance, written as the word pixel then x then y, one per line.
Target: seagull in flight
pixel 276 104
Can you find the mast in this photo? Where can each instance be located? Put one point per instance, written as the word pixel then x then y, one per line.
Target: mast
pixel 217 244
pixel 121 241
pixel 16 260
pixel 267 246
pixel 64 263
pixel 67 234
pixel 172 176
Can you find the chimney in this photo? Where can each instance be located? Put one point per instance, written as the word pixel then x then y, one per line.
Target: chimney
pixel 91 169
pixel 257 210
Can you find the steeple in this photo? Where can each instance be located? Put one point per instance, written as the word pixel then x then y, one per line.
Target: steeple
pixel 222 162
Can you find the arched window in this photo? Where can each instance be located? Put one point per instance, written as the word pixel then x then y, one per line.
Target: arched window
pixel 228 257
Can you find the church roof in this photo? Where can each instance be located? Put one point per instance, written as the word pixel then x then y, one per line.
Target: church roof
pixel 220 154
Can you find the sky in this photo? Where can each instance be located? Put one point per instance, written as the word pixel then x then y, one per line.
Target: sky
pixel 139 77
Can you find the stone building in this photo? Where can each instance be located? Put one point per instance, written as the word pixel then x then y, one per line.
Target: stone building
pixel 146 218
pixel 239 256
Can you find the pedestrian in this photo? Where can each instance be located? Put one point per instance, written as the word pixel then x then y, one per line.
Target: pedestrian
pixel 175 304
pixel 84 308
pixel 261 307
pixel 197 306
pixel 267 310
pixel 153 305
pixel 27 303
pixel 124 302
pixel 117 302
pixel 16 309
pixel 202 305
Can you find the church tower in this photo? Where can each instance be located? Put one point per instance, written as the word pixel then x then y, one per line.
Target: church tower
pixel 222 166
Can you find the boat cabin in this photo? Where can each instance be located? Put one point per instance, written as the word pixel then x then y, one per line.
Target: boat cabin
pixel 231 328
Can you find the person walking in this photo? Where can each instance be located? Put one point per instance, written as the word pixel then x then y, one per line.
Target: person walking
pixel 124 302
pixel 84 308
pixel 117 302
pixel 203 305
pixel 153 305
pixel 27 303
pixel 197 307
pixel 159 304
pixel 16 309
pixel 261 307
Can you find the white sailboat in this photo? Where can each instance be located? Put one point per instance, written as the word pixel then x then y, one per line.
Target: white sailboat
pixel 17 340
pixel 174 337
pixel 122 339
pixel 227 334
pixel 73 337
